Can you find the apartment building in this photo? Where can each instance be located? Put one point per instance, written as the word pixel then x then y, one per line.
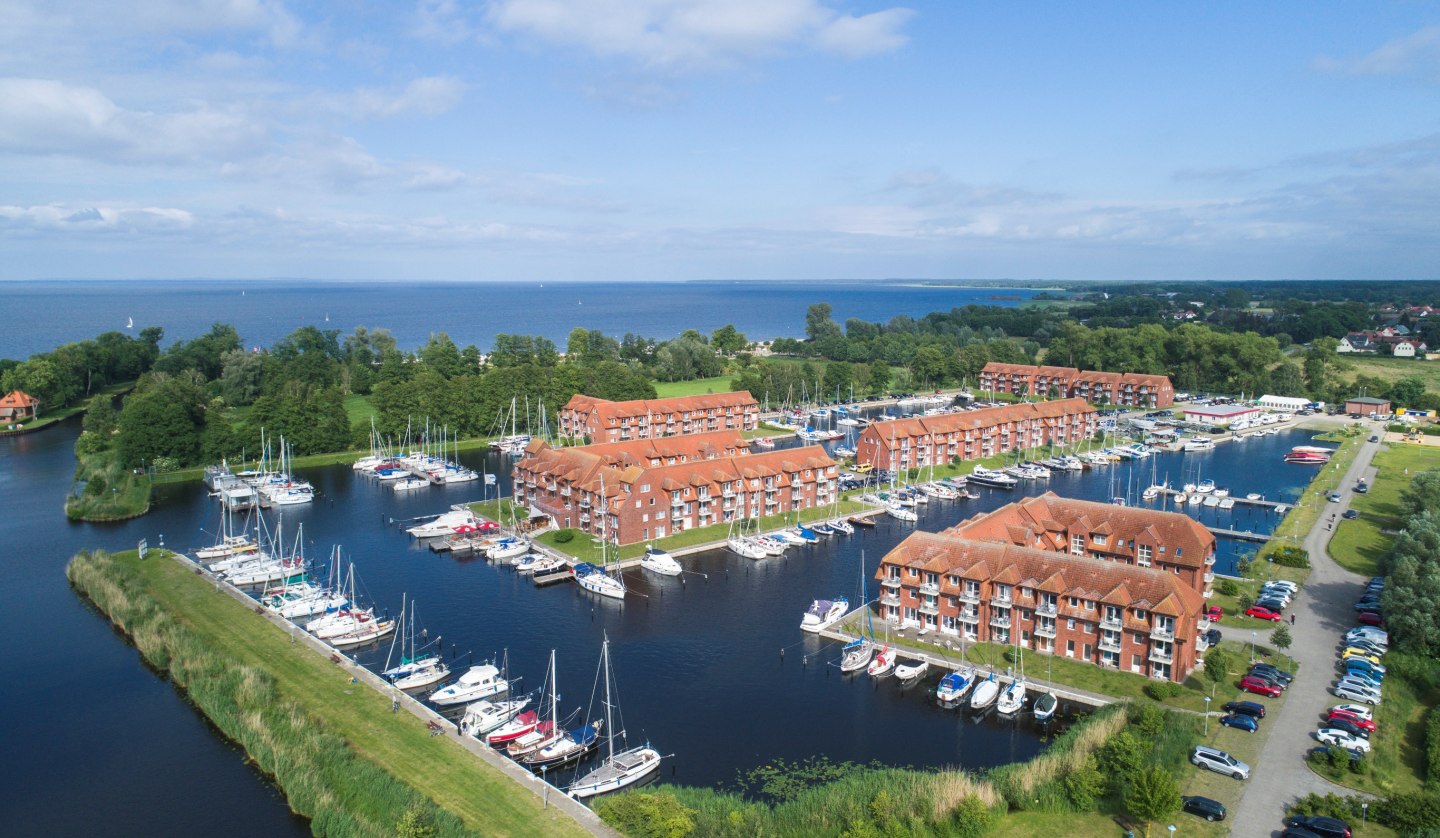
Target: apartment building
pixel 1112 614
pixel 599 420
pixel 1118 388
pixel 972 434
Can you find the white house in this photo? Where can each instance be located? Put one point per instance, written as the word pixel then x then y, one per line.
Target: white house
pixel 1221 415
pixel 1403 349
pixel 1288 404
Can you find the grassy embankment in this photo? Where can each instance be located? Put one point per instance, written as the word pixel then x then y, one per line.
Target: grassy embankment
pixel 1393 369
pixel 585 548
pixel 109 492
pixel 48 418
pixel 342 757
pixel 1360 543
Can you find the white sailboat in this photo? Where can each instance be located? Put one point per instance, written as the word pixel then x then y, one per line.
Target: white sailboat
pixel 540 733
pixel 617 770
pixel 598 580
pixel 412 671
pixel 985 693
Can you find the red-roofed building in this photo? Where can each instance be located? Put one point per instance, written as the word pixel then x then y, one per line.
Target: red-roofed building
pixel 1119 388
pixel 1115 615
pixel 972 434
pixel 600 420
pixel 18 406
pixel 1168 541
pixel 645 489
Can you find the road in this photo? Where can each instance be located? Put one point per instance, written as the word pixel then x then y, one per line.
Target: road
pixel 1324 610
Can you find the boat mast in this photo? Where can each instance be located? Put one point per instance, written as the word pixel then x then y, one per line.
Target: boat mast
pixel 609 723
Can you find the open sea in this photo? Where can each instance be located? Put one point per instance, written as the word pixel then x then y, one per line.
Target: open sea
pixel 57 312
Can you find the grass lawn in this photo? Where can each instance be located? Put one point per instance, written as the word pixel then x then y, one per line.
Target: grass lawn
pixel 697 387
pixel 358 409
pixel 1394 369
pixel 1087 825
pixel 111 493
pixel 1360 543
pixel 486 800
pixel 1312 505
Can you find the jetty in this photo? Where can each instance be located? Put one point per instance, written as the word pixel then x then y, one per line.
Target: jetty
pixel 1242 535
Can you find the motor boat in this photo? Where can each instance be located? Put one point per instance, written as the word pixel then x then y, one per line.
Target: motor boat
pixel 900 513
pixel 955 684
pixel 513 728
pixel 478 682
pixel 911 671
pixel 985 693
pixel 658 561
pixel 1045 707
pixel 882 663
pixel 449 523
pixel 484 717
pixel 823 612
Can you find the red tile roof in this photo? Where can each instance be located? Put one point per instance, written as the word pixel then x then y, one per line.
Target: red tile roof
pixel 18 399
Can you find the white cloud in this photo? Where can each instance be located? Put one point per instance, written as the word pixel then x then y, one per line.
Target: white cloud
pixel 699 33
pixel 1417 53
pixel 427 96
pixel 45 116
pixel 93 219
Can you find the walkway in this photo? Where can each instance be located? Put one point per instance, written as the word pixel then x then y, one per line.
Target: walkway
pixel 1323 612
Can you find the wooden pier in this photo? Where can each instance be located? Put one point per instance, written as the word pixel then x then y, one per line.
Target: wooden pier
pixel 1239 501
pixel 1242 535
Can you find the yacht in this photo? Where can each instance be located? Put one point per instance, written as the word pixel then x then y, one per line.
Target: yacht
pixel 823 612
pixel 658 561
pixel 1199 443
pixel 478 682
pixel 449 523
pixel 955 684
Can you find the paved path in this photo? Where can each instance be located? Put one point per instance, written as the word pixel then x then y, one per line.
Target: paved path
pixel 1324 610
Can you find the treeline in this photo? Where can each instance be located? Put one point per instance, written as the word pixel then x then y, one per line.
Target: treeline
pixel 70 373
pixel 1412 570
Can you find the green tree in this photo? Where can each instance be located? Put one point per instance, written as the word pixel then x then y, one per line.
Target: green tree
pixel 241 376
pixel 1085 784
pixel 929 365
pixel 1281 637
pixel 1152 795
pixel 1407 392
pixel 1411 591
pixel 100 417
pixel 1121 757
pixel 647 814
pixel 1218 665
pixel 1422 495
pixel 972 818
pixel 1287 380
pixel 162 421
pixel 728 339
pixel 440 354
pixel 839 376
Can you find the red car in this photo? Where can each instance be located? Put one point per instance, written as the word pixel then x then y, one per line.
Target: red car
pixel 1213 613
pixel 1259 687
pixel 1262 613
pixel 1367 725
pixel 1370 618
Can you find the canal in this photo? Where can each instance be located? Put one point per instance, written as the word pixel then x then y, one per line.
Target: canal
pixel 698 660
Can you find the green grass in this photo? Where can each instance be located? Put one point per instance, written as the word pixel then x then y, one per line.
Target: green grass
pixel 1396 764
pixel 343 758
pixel 359 410
pixel 1394 369
pixel 1360 543
pixel 47 418
pixel 111 493
pixel 697 387
pixel 1306 512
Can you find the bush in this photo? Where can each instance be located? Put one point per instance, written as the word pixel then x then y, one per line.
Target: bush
pixel 1218 664
pixel 1432 748
pixel 972 818
pixel 1085 785
pixel 564 536
pixel 1409 813
pixel 647 814
pixel 1161 690
pixel 1330 805
pixel 1291 556
pixel 1227 587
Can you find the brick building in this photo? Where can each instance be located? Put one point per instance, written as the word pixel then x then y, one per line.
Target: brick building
pixel 926 440
pixel 1171 542
pixel 599 420
pixel 1367 406
pixel 651 488
pixel 1115 615
pixel 1119 388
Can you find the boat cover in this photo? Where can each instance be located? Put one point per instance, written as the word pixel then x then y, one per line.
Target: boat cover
pixel 583 735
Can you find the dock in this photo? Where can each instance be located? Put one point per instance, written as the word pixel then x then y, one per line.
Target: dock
pixel 1242 535
pixel 1239 501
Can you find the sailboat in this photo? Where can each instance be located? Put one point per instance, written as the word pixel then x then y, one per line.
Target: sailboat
pixel 884 660
pixel 1013 696
pixel 955 684
pixel 617 770
pixel 412 671
pixel 540 733
pixel 985 693
pixel 597 580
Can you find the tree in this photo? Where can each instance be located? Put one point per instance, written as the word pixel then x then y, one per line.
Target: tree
pixel 1218 665
pixel 1287 380
pixel 100 417
pixel 1281 637
pixel 163 421
pixel 728 339
pixel 241 375
pixel 929 365
pixel 1121 757
pixel 440 354
pixel 971 819
pixel 1152 795
pixel 1411 591
pixel 1085 784
pixel 647 814
pixel 416 823
pixel 838 378
pixel 1407 392
pixel 1423 494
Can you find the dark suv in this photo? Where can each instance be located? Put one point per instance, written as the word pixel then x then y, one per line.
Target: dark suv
pixel 1204 807
pixel 1321 825
pixel 1247 708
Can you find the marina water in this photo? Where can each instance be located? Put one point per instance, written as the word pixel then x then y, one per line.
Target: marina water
pixel 111 747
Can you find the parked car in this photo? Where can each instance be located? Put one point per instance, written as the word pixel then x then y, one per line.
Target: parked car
pixel 1334 497
pixel 1374 438
pixel 1250 724
pixel 1213 637
pixel 1260 686
pixel 1334 736
pixel 1348 654
pixel 1283 584
pixel 1272 604
pixel 1219 761
pixel 1349 514
pixel 1363 679
pixel 1373 634
pixel 1364 666
pixel 1213 613
pixel 1249 708
pixel 1349 727
pixel 1365 724
pixel 1370 618
pixel 1356 692
pixel 1320 825
pixel 1353 709
pixel 1204 807
pixel 1262 613
pixel 1362 489
pixel 1327 750
pixel 1273 672
pixel 1362 643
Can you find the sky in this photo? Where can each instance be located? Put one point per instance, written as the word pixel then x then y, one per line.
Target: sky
pixel 718 139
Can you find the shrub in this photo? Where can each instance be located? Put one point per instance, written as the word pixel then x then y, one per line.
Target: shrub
pixel 1432 748
pixel 1150 719
pixel 564 536
pixel 1290 555
pixel 647 814
pixel 1218 663
pixel 972 818
pixel 1409 813
pixel 1161 690
pixel 1330 805
pixel 1085 785
pixel 1153 795
pixel 1227 587
pixel 1245 601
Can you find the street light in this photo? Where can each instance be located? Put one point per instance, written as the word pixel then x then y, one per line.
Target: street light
pixel 1207 715
pixel 1252 647
pixel 1364 810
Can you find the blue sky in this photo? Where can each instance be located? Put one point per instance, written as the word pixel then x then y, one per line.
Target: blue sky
pixel 699 139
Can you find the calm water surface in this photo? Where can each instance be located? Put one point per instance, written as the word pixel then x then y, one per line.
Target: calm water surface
pixel 698 662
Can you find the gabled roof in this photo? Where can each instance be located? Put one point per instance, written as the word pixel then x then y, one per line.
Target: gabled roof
pixel 18 399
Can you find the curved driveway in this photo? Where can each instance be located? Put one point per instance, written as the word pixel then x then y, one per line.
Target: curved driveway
pixel 1324 610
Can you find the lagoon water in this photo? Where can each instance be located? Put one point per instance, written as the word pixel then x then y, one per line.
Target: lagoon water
pixel 472 313
pixel 100 743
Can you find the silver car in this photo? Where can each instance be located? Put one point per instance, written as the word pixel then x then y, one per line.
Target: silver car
pixel 1219 761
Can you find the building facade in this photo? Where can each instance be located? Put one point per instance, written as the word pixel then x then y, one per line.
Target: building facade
pixel 1170 542
pixel 1118 388
pixel 1366 406
pixel 642 490
pixel 972 434
pixel 1220 415
pixel 18 406
pixel 1111 614
pixel 1290 404
pixel 600 420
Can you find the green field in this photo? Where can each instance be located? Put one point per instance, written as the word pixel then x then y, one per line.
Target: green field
pixel 482 797
pixel 1394 369
pixel 697 387
pixel 1360 543
pixel 358 409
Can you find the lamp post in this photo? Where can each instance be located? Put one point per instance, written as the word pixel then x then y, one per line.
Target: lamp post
pixel 1364 811
pixel 1252 647
pixel 1207 715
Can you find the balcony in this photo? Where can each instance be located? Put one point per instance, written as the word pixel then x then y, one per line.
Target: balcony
pixel 1046 609
pixel 1162 633
pixel 585 503
pixel 1210 560
pixel 1111 622
pixel 892 582
pixel 1209 577
pixel 1045 630
pixel 972 617
pixel 565 492
pixel 930 589
pixel 676 502
pixel 1001 602
pixel 929 608
pixel 1157 656
pixel 890 599
pixel 584 516
pixel 999 621
pixel 1109 645
pixel 1203 626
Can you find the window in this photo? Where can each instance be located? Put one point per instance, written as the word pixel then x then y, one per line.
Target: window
pixel 1070 624
pixel 1077 545
pixel 1070 648
pixel 1140 614
pixel 1146 553
pixel 644 518
pixel 660 516
pixel 1099 539
pixel 637 504
pixel 645 533
pixel 914 572
pixel 1089 629
pixel 645 487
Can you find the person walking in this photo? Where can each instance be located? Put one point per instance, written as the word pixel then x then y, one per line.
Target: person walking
pixel 1292 618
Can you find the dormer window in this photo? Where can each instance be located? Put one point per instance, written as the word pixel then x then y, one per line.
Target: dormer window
pixel 1098 538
